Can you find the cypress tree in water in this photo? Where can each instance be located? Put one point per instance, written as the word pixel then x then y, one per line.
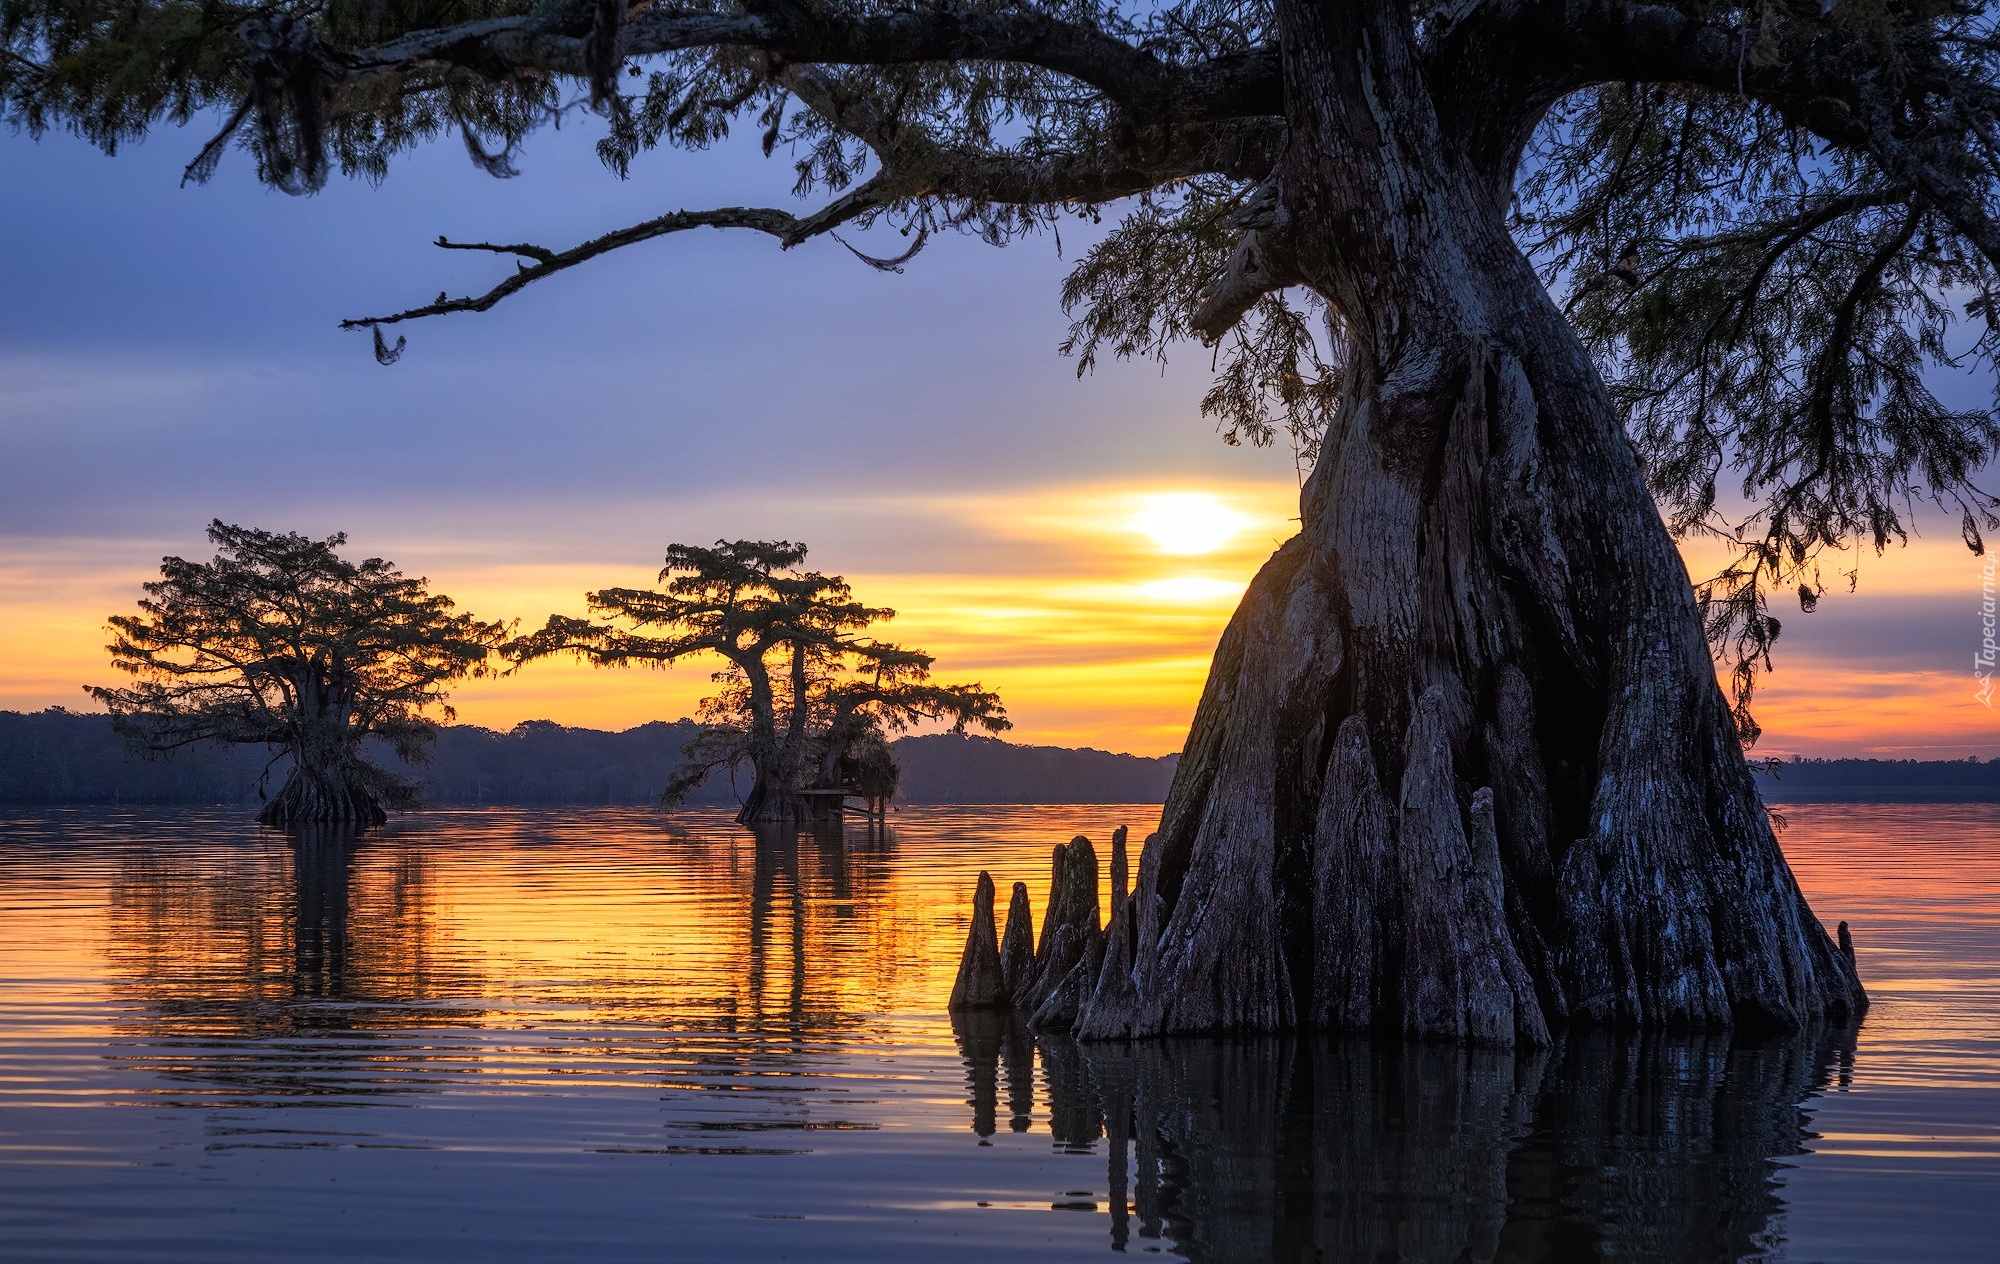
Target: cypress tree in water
pixel 280 641
pixel 1514 276
pixel 807 697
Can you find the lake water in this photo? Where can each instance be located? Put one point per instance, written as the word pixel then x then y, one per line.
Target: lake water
pixel 610 1034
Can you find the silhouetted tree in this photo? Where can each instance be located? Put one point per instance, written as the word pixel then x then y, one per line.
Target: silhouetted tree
pixel 806 695
pixel 1757 219
pixel 280 641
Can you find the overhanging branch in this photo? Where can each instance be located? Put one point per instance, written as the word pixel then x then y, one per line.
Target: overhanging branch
pixel 1230 86
pixel 1834 94
pixel 913 166
pixel 789 229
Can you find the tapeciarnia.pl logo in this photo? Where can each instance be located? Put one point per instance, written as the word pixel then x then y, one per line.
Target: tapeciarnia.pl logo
pixel 1983 661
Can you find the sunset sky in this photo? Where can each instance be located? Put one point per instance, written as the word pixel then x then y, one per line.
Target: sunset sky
pixel 169 355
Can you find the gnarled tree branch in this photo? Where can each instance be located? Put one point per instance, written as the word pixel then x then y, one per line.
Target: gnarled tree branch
pixel 1556 47
pixel 1263 261
pixel 789 229
pixel 1224 87
pixel 914 165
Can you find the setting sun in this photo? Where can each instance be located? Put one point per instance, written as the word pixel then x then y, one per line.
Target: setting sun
pixel 1188 522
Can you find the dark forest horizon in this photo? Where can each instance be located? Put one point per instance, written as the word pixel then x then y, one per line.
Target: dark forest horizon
pixel 59 756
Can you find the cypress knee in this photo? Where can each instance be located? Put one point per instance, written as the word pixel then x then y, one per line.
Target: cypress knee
pixel 1064 1004
pixel 1118 871
pixel 1071 924
pixel 1053 912
pixel 979 984
pixel 1017 945
pixel 1106 1009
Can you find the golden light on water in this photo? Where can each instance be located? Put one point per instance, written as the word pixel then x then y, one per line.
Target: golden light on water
pixel 696 1025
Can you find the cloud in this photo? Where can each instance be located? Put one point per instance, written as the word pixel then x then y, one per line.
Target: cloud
pixel 169 355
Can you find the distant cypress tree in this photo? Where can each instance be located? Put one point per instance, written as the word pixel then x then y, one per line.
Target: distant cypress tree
pixel 806 695
pixel 280 641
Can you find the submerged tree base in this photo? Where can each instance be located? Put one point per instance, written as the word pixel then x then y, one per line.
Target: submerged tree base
pixel 802 811
pixel 1090 981
pixel 359 795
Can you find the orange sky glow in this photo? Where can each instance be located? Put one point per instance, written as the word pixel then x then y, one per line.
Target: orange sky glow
pixel 1093 610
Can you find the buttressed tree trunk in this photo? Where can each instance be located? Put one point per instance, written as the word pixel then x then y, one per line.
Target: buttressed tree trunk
pixel 329 782
pixel 774 800
pixel 320 797
pixel 326 787
pixel 1462 768
pixel 768 802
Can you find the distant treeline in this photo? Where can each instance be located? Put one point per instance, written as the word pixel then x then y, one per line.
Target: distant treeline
pixel 59 756
pixel 948 769
pixel 1866 780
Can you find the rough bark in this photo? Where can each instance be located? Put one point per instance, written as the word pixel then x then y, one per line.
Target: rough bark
pixel 1046 983
pixel 980 984
pixel 1017 944
pixel 1120 869
pixel 1462 768
pixel 327 791
pixel 1072 938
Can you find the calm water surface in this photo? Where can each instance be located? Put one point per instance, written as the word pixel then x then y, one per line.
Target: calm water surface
pixel 608 1034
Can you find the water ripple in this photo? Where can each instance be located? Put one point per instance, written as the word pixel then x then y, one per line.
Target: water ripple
pixel 539 1035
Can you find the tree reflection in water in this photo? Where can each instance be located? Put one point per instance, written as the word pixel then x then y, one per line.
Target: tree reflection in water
pixel 691 987
pixel 804 893
pixel 237 955
pixel 323 871
pixel 1310 1149
pixel 245 969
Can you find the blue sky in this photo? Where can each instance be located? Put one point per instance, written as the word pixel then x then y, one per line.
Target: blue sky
pixel 171 354
pixel 181 345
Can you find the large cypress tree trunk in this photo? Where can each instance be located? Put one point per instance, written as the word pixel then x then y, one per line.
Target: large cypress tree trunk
pixel 766 804
pixel 329 783
pixel 331 792
pixel 774 798
pixel 1462 768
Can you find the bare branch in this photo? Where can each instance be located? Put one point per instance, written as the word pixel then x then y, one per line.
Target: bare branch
pixel 913 166
pixel 526 250
pixel 789 229
pixel 204 164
